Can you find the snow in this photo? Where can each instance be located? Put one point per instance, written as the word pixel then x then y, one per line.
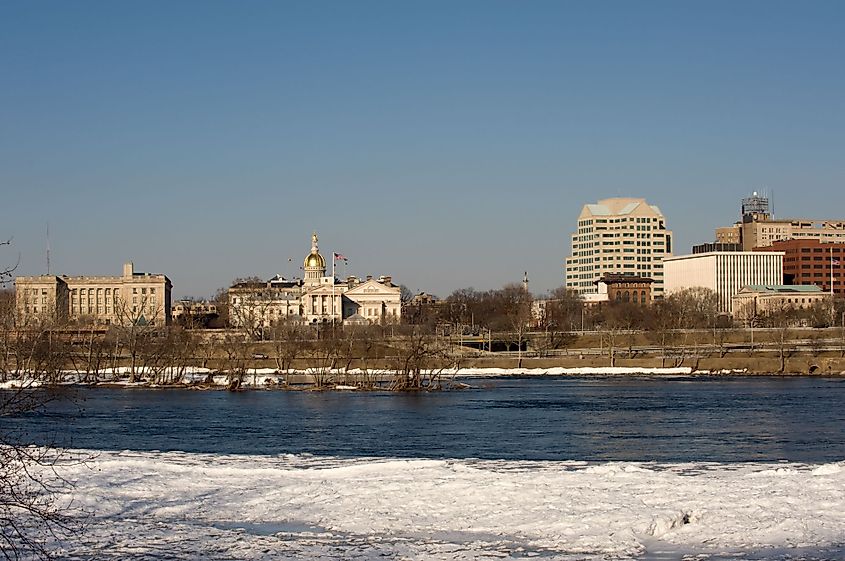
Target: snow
pixel 179 505
pixel 584 370
pixel 19 384
pixel 264 377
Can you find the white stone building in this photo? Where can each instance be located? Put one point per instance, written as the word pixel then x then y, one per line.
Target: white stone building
pixel 317 298
pixel 753 301
pixel 618 236
pixel 724 272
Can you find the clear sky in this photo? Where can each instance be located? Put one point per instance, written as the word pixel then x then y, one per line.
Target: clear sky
pixel 450 144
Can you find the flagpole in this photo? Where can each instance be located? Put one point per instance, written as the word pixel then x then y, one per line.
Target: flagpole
pixel 831 270
pixel 832 305
pixel 333 263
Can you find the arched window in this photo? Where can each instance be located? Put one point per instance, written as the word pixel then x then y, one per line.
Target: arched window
pixel 642 297
pixel 627 296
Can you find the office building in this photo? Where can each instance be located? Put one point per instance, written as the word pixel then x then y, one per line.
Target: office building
pixel 758 227
pixel 724 272
pixel 132 298
pixel 618 236
pixel 812 262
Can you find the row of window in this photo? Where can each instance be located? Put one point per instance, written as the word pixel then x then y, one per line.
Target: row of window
pixel 631 296
pixel 34 291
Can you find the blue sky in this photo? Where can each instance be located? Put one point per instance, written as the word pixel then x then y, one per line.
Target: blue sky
pixel 450 144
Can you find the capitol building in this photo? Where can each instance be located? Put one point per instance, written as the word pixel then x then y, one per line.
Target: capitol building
pixel 316 298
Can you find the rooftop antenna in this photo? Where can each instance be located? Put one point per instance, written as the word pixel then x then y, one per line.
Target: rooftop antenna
pixel 772 203
pixel 48 248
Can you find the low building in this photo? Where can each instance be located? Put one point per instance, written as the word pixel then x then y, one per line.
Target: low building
pixel 723 272
pixel 754 301
pixel 716 246
pixel 812 262
pixel 132 298
pixel 193 311
pixel 627 289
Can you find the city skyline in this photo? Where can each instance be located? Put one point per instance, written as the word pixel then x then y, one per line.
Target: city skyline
pixel 445 145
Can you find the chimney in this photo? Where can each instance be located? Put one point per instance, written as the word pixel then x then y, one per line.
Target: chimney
pixel 369 277
pixel 128 270
pixel 388 280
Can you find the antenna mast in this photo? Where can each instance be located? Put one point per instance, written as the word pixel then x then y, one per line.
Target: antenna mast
pixel 48 248
pixel 772 202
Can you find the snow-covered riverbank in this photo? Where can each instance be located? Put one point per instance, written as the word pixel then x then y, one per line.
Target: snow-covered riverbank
pixel 151 505
pixel 270 377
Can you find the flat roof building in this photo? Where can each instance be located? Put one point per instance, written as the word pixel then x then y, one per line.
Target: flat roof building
pixel 109 300
pixel 754 301
pixel 724 272
pixel 812 262
pixel 759 228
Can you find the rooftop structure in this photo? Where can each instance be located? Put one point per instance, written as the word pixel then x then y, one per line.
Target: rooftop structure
pixel 758 227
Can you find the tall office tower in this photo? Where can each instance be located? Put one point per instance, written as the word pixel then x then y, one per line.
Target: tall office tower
pixel 618 236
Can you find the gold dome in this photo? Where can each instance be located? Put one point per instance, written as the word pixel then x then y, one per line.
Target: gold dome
pixel 315 260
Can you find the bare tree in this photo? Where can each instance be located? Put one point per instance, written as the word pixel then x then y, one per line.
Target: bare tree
pixel 6 272
pixel 325 354
pixel 418 362
pixel 136 324
pixel 32 512
pixel 234 345
pixel 287 338
pixel 515 306
pixel 7 333
pixel 781 316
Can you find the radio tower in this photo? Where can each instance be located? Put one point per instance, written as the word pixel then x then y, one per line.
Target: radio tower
pixel 48 248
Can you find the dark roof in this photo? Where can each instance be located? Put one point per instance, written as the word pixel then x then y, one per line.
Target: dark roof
pixel 613 279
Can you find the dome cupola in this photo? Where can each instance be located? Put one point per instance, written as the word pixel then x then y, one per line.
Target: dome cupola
pixel 314 264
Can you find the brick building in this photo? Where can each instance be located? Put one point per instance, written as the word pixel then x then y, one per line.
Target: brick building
pixel 809 261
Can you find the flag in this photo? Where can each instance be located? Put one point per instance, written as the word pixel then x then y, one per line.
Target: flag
pixel 338 256
pixel 834 261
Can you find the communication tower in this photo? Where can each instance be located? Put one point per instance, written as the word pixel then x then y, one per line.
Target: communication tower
pixel 755 205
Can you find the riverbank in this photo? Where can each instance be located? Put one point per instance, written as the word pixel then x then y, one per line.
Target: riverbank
pixel 361 379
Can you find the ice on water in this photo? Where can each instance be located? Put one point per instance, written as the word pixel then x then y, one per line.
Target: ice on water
pixel 174 505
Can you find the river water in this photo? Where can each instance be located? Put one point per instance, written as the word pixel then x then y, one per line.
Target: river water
pixel 557 468
pixel 679 419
